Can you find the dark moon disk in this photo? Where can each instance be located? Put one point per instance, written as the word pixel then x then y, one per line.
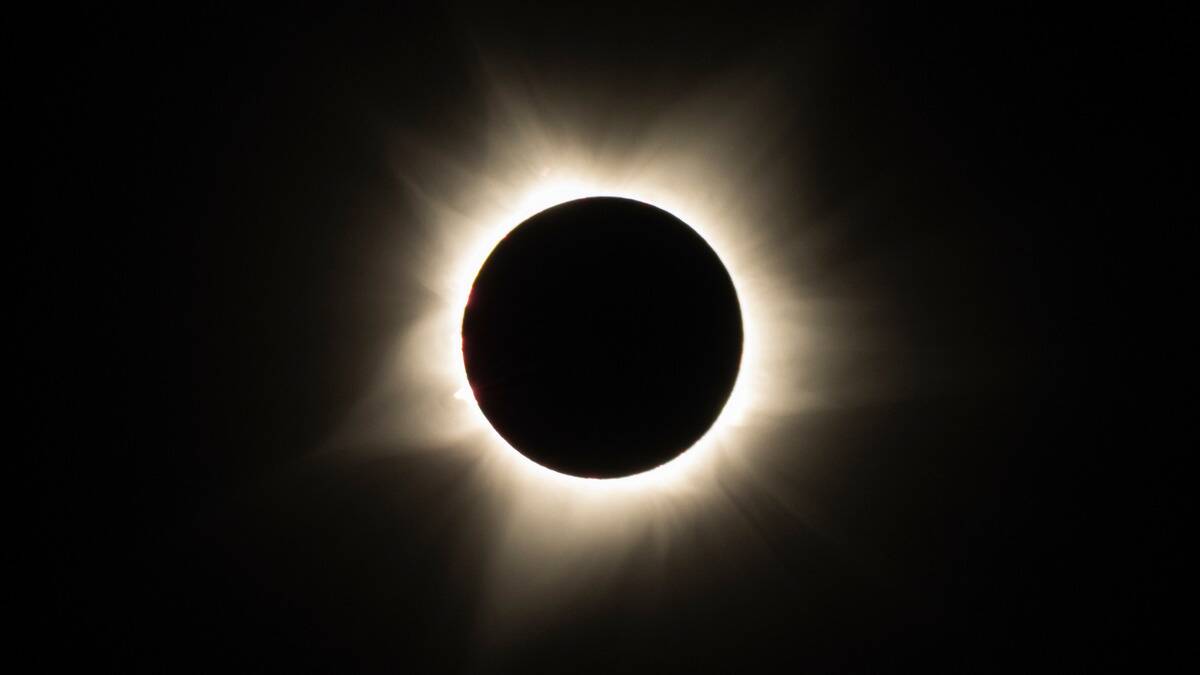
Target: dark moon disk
pixel 602 337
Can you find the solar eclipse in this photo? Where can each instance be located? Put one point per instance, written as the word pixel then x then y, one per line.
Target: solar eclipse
pixel 566 497
pixel 602 337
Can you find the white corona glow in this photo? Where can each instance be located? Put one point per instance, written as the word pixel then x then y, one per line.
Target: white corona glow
pixel 700 160
pixel 685 472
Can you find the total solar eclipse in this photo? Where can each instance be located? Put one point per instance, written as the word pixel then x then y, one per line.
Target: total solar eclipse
pixel 602 337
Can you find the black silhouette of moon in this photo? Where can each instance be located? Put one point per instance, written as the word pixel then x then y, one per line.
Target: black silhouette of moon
pixel 602 337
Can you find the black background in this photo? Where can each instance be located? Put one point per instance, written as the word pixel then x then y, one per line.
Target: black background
pixel 204 176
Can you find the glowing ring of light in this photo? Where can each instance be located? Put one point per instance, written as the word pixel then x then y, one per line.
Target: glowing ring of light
pixel 701 170
pixel 658 467
pixel 680 472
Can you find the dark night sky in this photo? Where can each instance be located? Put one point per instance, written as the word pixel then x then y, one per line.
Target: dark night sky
pixel 221 170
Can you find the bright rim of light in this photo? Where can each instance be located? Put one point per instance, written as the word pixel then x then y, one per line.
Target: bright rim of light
pixel 674 472
pixel 474 209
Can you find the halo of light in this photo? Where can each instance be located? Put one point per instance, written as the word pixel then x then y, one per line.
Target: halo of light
pixel 770 333
pixel 703 162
